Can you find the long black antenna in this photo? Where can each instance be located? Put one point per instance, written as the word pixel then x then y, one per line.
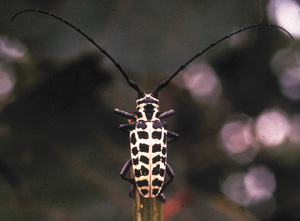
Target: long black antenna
pixel 131 83
pixel 167 81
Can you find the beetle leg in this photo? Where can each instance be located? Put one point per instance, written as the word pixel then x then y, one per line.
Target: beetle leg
pixel 124 114
pixel 124 171
pixel 172 136
pixel 125 127
pixel 166 114
pixel 162 197
pixel 171 174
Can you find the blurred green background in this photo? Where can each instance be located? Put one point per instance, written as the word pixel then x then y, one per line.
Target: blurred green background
pixel 237 108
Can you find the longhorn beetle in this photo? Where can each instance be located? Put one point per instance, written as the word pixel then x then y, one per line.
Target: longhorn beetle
pixel 148 134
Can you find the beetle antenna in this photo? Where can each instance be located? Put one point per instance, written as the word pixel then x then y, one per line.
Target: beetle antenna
pixel 131 83
pixel 167 81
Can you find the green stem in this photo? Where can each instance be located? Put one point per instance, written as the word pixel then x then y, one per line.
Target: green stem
pixel 151 209
pixel 146 209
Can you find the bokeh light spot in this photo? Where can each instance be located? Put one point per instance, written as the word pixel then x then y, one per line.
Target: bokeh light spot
pixel 285 13
pixel 256 185
pixel 260 183
pixel 272 127
pixel 286 66
pixel 202 82
pixel 236 136
pixel 12 50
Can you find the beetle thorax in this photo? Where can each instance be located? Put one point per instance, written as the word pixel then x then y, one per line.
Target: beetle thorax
pixel 147 108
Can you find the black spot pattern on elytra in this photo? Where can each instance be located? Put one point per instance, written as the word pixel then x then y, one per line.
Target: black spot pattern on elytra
pixel 142 125
pixel 155 191
pixel 144 148
pixel 144 171
pixel 162 172
pixel 156 159
pixel 134 151
pixel 142 183
pixel 135 161
pixel 137 173
pixel 157 170
pixel 164 150
pixel 132 139
pixel 143 135
pixel 157 182
pixel 163 159
pixel 157 125
pixel 144 159
pixel 165 138
pixel 156 135
pixel 144 192
pixel 156 148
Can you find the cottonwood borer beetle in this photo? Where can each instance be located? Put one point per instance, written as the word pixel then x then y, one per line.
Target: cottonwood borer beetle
pixel 147 132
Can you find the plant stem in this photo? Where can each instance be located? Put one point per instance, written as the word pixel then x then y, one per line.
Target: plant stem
pixel 149 209
pixel 146 209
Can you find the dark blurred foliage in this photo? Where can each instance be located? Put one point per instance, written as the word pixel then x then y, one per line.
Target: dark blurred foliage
pixel 64 105
pixel 60 149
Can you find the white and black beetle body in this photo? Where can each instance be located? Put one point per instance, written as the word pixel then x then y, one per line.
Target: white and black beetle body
pixel 148 146
pixel 148 134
